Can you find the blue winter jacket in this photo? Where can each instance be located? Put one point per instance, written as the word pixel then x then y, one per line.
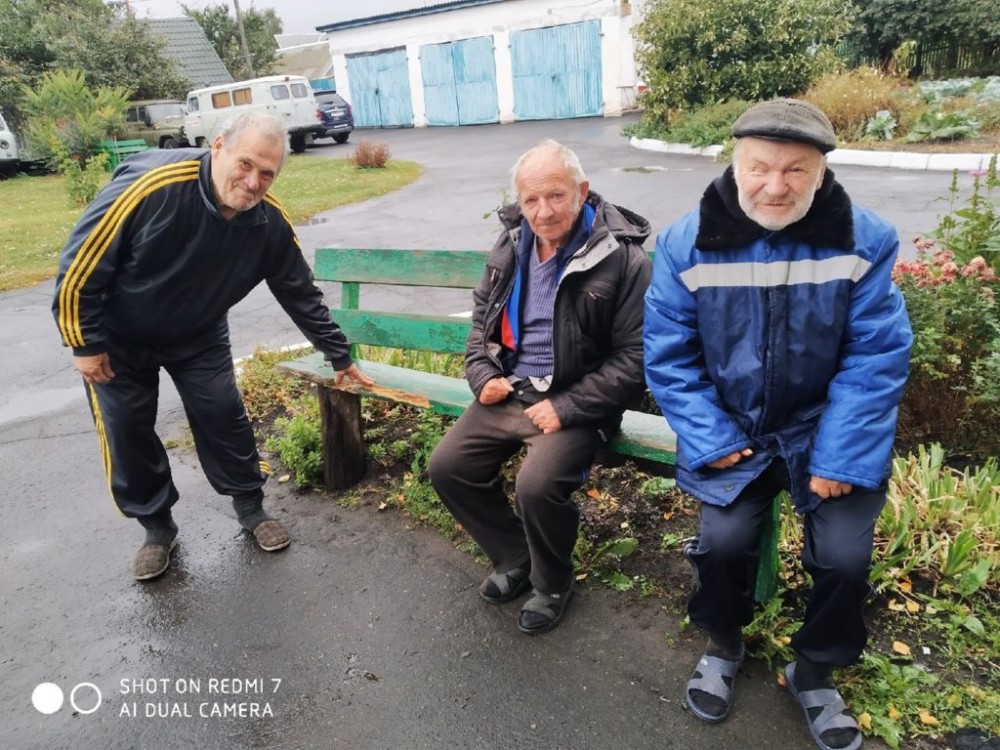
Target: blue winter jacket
pixel 793 343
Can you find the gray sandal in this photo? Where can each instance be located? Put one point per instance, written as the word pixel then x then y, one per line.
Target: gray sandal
pixel 834 714
pixel 500 588
pixel 710 675
pixel 542 612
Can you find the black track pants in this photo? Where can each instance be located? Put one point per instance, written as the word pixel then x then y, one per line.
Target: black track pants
pixel 465 471
pixel 124 411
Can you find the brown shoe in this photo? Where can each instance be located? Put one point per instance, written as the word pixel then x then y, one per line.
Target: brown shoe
pixel 271 535
pixel 153 560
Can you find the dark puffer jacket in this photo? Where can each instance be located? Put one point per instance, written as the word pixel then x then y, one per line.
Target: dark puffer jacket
pixel 597 320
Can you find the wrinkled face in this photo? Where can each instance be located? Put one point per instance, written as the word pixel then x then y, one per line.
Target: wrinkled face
pixel 243 170
pixel 777 180
pixel 549 199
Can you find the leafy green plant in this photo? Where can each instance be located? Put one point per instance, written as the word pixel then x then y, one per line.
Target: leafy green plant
pixel 940 524
pixel 881 126
pixel 605 559
pixel 973 228
pixel 942 126
pixel 298 442
pixel 83 176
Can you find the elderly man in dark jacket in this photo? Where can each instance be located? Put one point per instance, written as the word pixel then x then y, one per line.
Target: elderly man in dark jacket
pixel 777 346
pixel 554 357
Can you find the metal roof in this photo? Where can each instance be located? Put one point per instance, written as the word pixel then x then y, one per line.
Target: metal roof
pixel 189 48
pixel 412 12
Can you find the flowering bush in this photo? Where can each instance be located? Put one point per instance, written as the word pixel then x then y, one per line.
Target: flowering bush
pixel 953 393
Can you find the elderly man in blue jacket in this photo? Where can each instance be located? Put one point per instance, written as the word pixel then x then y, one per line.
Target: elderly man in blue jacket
pixel 777 347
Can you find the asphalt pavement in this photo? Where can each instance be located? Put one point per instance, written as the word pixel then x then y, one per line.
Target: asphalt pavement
pixel 367 633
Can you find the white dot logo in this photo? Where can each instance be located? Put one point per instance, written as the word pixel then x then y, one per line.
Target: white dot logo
pixel 97 698
pixel 47 698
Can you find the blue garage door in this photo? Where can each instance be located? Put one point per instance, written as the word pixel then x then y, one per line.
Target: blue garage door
pixel 380 89
pixel 557 71
pixel 460 82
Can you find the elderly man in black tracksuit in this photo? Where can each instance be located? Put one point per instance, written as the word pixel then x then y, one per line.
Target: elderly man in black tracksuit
pixel 554 357
pixel 146 281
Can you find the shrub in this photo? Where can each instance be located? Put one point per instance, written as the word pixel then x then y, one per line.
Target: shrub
pixel 952 396
pixel 707 126
pixel 852 98
pixel 370 154
pixel 694 53
pixel 64 110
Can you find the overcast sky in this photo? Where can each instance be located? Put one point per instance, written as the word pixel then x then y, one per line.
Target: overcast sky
pixel 297 16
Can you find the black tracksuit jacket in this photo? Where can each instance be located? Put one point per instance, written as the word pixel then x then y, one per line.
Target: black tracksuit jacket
pixel 153 263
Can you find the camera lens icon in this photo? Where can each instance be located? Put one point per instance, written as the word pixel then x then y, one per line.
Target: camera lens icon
pixel 47 698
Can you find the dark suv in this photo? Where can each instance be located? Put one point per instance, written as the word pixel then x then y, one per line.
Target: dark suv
pixel 338 120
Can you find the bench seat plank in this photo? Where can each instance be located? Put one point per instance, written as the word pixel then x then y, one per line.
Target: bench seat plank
pixel 642 435
pixel 434 333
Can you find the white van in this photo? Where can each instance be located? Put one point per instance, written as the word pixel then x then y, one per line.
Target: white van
pixel 290 97
pixel 9 159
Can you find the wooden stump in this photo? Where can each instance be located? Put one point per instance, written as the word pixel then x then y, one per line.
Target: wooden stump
pixel 343 438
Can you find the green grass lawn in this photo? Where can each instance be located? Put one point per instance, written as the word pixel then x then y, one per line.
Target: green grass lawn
pixel 36 218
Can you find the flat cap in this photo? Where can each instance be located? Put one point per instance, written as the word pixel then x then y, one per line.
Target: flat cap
pixel 787 120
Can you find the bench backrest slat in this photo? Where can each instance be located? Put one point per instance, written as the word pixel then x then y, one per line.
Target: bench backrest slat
pixel 404 330
pixel 457 269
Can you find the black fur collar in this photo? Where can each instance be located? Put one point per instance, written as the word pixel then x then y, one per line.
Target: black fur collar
pixel 723 224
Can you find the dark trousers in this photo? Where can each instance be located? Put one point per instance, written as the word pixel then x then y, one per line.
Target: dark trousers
pixel 465 471
pixel 124 412
pixel 836 552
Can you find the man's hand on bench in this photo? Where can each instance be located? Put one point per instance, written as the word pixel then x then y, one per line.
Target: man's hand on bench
pixel 354 374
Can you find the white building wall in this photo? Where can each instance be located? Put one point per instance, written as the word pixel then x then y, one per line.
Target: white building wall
pixel 497 20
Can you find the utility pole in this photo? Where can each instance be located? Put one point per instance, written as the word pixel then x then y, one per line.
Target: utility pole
pixel 243 38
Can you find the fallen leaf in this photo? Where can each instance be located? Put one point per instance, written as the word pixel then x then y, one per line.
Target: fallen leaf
pixel 926 717
pixel 901 648
pixel 383 505
pixel 594 493
pixel 895 606
pixel 865 721
pixel 912 607
pixel 781 680
pixel 284 477
pixel 668 516
pixel 624 524
pixel 581 576
pixel 893 713
pixel 785 640
pixel 905 586
pixel 931 609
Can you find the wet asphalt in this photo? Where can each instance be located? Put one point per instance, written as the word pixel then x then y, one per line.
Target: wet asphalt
pixel 367 633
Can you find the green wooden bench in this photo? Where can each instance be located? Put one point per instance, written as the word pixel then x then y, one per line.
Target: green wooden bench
pixel 645 436
pixel 119 151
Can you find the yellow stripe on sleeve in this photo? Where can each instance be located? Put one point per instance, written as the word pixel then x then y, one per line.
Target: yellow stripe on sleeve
pixel 99 239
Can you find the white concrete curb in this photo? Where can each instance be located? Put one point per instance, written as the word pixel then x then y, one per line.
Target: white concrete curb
pixel 853 157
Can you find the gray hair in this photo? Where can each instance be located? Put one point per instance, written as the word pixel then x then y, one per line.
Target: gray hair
pixel 565 155
pixel 270 126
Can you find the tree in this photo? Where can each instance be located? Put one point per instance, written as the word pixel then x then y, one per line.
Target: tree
pixel 39 36
pixel 224 34
pixel 693 53
pixel 885 24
